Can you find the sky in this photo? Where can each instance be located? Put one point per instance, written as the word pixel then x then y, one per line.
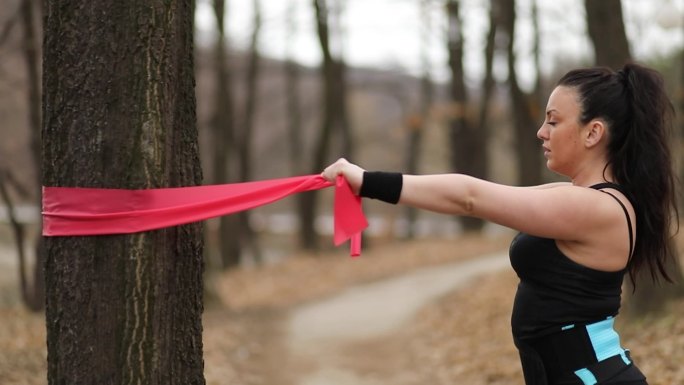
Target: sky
pixel 391 34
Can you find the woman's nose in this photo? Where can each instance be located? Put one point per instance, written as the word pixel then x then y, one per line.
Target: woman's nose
pixel 541 132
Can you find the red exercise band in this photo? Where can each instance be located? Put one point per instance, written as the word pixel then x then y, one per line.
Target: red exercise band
pixel 70 211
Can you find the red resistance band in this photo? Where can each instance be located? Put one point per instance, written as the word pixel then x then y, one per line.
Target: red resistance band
pixel 70 211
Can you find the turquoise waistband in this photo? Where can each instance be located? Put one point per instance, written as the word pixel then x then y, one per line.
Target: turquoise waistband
pixel 606 343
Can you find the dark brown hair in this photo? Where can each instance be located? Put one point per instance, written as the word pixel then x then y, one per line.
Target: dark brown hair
pixel 638 113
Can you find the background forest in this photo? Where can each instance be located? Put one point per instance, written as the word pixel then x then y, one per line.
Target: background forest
pixel 283 89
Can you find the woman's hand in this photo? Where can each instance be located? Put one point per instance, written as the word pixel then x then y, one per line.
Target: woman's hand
pixel 351 172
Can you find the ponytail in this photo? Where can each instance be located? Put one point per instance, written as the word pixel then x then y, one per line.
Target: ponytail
pixel 634 105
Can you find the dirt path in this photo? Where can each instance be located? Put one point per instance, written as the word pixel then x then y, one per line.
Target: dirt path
pixel 355 338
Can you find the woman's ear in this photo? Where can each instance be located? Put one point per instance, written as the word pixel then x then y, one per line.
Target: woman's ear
pixel 595 131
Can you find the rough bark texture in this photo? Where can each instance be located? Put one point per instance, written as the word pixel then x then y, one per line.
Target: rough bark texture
pixel 119 112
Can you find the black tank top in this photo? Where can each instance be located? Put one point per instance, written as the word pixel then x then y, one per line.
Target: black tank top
pixel 555 291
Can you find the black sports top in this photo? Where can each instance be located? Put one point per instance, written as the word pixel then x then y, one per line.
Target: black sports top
pixel 555 291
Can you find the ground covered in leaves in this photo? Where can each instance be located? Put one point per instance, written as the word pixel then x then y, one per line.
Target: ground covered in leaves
pixel 464 338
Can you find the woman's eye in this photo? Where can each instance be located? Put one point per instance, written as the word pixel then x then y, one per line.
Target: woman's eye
pixel 553 124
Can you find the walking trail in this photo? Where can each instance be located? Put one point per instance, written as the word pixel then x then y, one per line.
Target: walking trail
pixel 355 338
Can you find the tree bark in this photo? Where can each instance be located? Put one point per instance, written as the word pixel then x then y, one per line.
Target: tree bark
pixel 607 30
pixel 119 112
pixel 468 143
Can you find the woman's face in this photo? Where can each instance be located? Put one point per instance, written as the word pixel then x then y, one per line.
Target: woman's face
pixel 561 131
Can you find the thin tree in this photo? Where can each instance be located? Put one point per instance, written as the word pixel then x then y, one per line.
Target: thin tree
pixel 34 295
pixel 8 181
pixel 342 125
pixel 417 127
pixel 488 82
pixel 119 112
pixel 607 31
pixel 529 158
pixel 538 91
pixel 293 94
pixel 680 117
pixel 468 141
pixel 247 127
pixel 32 289
pixel 334 118
pixel 223 143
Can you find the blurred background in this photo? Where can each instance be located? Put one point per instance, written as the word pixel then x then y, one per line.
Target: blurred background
pixel 284 88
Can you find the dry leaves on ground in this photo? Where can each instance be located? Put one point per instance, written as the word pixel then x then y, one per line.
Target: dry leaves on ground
pixel 307 277
pixel 463 338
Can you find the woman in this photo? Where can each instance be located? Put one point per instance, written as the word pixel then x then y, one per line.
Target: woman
pixel 607 132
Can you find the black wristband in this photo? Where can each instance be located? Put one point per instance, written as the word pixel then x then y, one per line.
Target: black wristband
pixel 384 186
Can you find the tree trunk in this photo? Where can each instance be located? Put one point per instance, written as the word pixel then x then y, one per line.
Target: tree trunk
pixel 488 79
pixel 224 140
pixel 309 200
pixel 119 112
pixel 247 130
pixel 607 30
pixel 528 150
pixel 417 127
pixel 468 143
pixel 293 98
pixel 35 295
pixel 680 123
pixel 294 125
pixel 19 235
pixel 538 92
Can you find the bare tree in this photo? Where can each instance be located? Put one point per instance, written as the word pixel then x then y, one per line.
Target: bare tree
pixel 538 92
pixel 468 141
pixel 607 30
pixel 8 181
pixel 119 112
pixel 34 296
pixel 224 142
pixel 417 126
pixel 246 132
pixel 523 106
pixel 334 120
pixel 488 82
pixel 293 96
